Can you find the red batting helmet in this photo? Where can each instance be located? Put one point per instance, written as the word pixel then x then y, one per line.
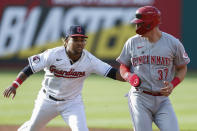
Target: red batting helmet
pixel 148 17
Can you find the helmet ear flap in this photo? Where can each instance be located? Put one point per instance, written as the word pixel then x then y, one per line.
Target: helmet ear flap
pixel 148 26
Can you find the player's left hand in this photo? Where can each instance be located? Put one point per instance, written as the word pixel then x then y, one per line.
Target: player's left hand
pixel 167 89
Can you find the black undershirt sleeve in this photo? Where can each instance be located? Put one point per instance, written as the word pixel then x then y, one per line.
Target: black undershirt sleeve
pixel 27 70
pixel 112 73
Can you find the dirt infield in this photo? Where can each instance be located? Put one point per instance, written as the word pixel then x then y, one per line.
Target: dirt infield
pixel 14 128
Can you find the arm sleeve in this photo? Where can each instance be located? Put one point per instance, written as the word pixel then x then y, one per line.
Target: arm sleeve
pixel 100 67
pixel 39 62
pixel 181 56
pixel 27 71
pixel 112 73
pixel 125 55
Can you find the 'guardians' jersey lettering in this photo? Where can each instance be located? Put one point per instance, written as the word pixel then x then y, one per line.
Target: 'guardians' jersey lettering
pixel 66 74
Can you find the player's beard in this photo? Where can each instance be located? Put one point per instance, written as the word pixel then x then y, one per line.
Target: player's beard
pixel 77 51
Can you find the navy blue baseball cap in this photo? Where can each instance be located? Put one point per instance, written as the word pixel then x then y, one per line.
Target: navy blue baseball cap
pixel 76 30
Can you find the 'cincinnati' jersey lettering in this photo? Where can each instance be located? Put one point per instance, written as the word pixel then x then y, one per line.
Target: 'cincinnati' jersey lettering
pixel 154 60
pixel 66 74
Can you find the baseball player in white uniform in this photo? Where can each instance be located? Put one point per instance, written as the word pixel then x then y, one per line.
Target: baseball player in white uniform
pixel 66 67
pixel 154 63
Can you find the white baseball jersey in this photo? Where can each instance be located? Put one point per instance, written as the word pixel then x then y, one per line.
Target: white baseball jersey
pixel 153 63
pixel 62 79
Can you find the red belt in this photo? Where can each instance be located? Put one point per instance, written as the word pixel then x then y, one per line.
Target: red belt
pixel 150 93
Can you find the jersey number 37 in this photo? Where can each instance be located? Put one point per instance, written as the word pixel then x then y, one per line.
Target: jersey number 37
pixel 163 73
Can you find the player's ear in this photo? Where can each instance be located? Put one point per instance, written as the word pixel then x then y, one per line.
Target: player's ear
pixel 63 39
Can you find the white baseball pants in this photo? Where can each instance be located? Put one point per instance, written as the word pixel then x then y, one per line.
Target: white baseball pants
pixel 45 109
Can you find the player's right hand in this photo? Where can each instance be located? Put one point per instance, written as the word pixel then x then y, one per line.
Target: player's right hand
pixel 10 90
pixel 134 80
pixel 167 89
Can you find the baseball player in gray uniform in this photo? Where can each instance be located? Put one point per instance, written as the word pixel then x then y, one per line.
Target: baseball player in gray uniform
pixel 154 63
pixel 66 67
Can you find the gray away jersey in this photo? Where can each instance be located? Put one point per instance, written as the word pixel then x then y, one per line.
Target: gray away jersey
pixel 153 63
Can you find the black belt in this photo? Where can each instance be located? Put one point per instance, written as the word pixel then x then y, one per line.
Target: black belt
pixel 53 98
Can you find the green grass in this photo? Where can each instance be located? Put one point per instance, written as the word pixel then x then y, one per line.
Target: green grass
pixel 104 100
